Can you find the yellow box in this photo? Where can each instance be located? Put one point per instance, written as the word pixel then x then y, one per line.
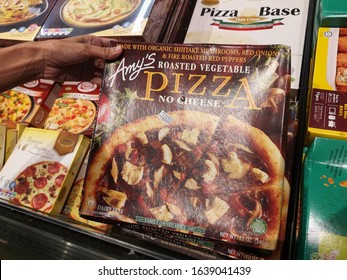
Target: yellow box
pixel 327 116
pixel 41 169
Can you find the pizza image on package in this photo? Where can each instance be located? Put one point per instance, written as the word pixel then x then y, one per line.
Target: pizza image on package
pixel 74 111
pixel 73 115
pixel 17 11
pixel 203 156
pixel 14 105
pixel 39 184
pixel 94 13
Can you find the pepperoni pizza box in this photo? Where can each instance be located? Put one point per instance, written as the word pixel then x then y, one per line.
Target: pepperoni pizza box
pixel 41 169
pixel 142 20
pixel 29 102
pixel 190 138
pixel 327 112
pixel 323 226
pixel 21 20
pixel 74 109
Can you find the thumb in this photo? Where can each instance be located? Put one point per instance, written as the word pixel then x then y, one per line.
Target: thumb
pixel 105 52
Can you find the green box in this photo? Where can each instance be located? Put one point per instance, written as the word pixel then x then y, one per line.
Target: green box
pixel 323 227
pixel 333 13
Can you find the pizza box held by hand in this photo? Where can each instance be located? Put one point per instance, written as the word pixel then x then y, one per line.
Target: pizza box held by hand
pixel 190 138
pixel 74 109
pixel 41 169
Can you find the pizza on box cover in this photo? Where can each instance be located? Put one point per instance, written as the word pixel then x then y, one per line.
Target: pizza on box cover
pixel 195 174
pixel 93 13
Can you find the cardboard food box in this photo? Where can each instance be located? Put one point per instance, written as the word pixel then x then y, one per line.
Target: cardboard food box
pixel 332 13
pixel 74 109
pixel 30 102
pixel 142 20
pixel 74 200
pixel 328 96
pixel 253 22
pixel 159 157
pixel 41 169
pixel 22 20
pixel 323 230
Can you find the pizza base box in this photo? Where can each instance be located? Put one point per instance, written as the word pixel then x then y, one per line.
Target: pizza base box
pixel 74 109
pixel 253 22
pixel 328 97
pixel 74 199
pixel 22 20
pixel 140 20
pixel 41 169
pixel 30 102
pixel 323 230
pixel 164 149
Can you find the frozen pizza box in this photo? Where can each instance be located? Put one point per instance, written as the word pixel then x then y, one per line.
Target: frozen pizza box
pixel 323 228
pixel 74 199
pixel 29 102
pixel 142 20
pixel 252 22
pixel 74 109
pixel 190 138
pixel 41 169
pixel 21 20
pixel 328 96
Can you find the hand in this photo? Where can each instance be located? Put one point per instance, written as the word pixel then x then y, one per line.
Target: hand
pixel 79 58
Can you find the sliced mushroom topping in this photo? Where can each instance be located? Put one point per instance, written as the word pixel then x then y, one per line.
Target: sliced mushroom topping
pixel 211 171
pixel 163 132
pixel 167 154
pixel 177 174
pixel 182 145
pixel 191 184
pixel 158 176
pixel 174 210
pixel 115 199
pixel 132 174
pixel 235 168
pixel 190 136
pixel 260 175
pixel 114 170
pixel 161 213
pixel 142 137
pixel 214 159
pixel 149 190
pixel 256 212
pixel 129 149
pixel 218 208
pixel 193 201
